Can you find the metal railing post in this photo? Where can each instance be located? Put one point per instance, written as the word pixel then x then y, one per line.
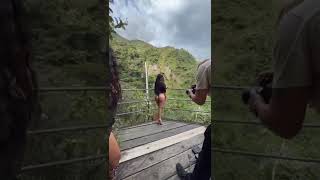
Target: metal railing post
pixel 147 87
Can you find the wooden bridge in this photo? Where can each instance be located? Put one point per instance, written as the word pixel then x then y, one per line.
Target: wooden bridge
pixel 151 151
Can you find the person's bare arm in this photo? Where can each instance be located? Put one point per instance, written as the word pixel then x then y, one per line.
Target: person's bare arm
pixel 285 113
pixel 114 151
pixel 200 96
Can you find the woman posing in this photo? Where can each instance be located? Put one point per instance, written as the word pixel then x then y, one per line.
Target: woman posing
pixel 160 98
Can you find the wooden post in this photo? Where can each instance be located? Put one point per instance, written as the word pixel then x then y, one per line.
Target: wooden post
pixel 147 87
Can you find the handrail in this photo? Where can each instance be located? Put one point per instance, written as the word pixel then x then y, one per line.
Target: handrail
pixel 138 101
pixel 189 110
pixel 81 88
pixel 132 102
pixel 134 89
pixel 177 89
pixel 58 89
pixel 62 162
pixel 103 88
pixel 262 155
pixel 89 127
pixel 174 99
pixel 306 125
pixel 75 128
pixel 133 112
pixel 227 87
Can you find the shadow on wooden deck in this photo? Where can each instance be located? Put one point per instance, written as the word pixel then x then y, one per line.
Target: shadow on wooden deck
pixel 151 152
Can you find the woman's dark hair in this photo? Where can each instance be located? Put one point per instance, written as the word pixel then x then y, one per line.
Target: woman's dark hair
pixel 113 83
pixel 113 94
pixel 160 78
pixel 158 83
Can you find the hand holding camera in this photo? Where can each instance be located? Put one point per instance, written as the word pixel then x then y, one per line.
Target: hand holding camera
pixel 191 90
pixel 263 90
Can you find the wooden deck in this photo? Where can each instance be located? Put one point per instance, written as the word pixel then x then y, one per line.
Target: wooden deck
pixel 151 152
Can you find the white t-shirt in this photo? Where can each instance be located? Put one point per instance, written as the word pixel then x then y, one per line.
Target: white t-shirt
pixel 297 53
pixel 204 76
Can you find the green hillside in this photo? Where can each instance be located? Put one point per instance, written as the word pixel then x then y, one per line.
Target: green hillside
pixel 177 64
pixel 179 67
pixel 242 44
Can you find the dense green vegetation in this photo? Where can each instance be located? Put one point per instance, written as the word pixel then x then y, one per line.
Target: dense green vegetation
pixel 68 49
pixel 179 68
pixel 242 44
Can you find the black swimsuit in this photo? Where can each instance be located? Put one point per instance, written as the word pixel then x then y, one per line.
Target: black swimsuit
pixel 160 88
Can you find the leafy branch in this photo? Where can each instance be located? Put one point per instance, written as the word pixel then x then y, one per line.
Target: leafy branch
pixel 115 23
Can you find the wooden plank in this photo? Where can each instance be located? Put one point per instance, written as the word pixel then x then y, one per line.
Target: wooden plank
pixel 142 127
pixel 149 127
pixel 139 164
pixel 160 144
pixel 155 137
pixel 145 131
pixel 148 123
pixel 165 169
pixel 131 127
pixel 188 169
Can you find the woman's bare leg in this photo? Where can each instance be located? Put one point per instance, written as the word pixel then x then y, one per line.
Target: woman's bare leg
pixel 159 112
pixel 162 100
pixel 114 153
pixel 162 112
pixel 156 114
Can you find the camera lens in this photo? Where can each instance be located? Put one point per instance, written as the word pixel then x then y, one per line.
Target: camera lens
pixel 245 96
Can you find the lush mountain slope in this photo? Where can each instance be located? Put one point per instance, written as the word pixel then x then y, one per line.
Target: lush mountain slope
pixel 177 64
pixel 179 67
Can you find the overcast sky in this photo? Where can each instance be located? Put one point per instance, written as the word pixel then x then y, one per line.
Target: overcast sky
pixel 177 23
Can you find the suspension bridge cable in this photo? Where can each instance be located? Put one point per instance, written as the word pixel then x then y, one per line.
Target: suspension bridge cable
pixel 189 110
pixel 226 87
pixel 68 129
pixel 306 125
pixel 262 155
pixel 62 162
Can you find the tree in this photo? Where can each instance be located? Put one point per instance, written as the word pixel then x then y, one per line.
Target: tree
pixel 115 23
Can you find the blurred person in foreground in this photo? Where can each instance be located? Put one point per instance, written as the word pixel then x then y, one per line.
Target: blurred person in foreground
pixel 296 77
pixel 198 94
pixel 113 97
pixel 18 84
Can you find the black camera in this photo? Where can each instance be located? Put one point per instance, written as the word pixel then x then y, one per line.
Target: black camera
pixel 265 91
pixel 193 87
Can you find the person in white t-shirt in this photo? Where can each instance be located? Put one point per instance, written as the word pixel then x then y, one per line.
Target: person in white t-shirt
pixel 202 169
